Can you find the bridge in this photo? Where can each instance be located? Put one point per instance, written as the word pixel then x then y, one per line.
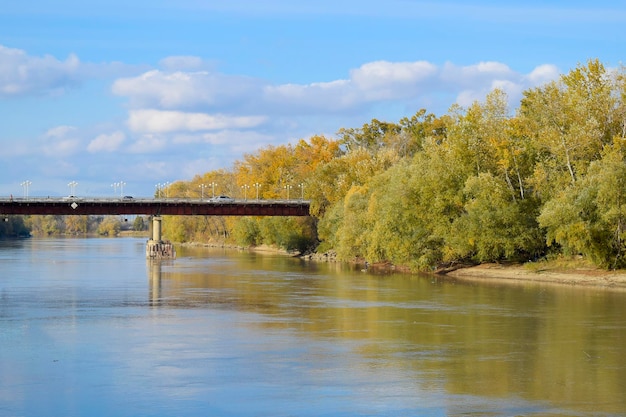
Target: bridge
pixel 155 207
pixel 152 206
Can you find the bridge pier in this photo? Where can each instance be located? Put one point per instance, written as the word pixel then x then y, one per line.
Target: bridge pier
pixel 156 247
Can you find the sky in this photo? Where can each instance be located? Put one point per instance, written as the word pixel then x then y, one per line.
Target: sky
pixel 146 93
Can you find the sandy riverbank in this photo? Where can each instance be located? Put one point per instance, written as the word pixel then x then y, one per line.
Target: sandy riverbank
pixel 582 276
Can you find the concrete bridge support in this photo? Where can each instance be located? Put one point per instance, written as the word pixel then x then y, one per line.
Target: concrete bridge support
pixel 156 247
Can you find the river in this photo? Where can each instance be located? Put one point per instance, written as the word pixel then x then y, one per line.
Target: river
pixel 88 327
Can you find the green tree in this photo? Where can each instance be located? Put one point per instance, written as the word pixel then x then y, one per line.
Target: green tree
pixel 371 137
pixel 353 231
pixel 495 226
pixel 140 224
pixel 570 121
pixel 401 228
pixel 13 226
pixel 588 218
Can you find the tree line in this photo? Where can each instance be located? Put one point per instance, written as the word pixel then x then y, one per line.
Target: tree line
pixel 56 225
pixel 477 184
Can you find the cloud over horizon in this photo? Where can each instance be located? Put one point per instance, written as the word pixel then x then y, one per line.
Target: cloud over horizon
pixel 370 84
pixel 186 111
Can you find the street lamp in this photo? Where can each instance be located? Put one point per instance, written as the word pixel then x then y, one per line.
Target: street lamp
pixel 213 185
pixel 257 186
pixel 122 184
pixel 72 185
pixel 301 186
pixel 202 187
pixel 115 185
pixel 288 187
pixel 245 191
pixel 26 184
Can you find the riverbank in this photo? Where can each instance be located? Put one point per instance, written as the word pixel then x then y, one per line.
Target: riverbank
pixel 572 272
pixel 574 275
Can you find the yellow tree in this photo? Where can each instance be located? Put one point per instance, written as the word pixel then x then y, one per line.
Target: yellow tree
pixel 76 225
pixel 273 167
pixel 570 121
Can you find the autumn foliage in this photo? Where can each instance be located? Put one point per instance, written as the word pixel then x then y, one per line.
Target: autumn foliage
pixel 477 184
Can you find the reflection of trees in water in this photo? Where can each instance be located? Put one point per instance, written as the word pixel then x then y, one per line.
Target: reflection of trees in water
pixel 560 345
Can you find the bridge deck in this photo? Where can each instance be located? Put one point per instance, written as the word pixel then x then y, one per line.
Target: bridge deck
pixel 153 207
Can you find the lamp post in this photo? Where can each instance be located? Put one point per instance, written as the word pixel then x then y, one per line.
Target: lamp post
pixel 245 191
pixel 288 187
pixel 257 186
pixel 121 184
pixel 25 185
pixel 202 187
pixel 213 185
pixel 72 185
pixel 115 185
pixel 301 186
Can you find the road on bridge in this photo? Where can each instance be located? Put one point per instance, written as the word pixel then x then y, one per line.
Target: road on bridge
pixel 151 206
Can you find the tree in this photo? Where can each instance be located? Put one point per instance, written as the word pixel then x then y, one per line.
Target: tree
pixel 13 226
pixel 589 218
pixel 495 226
pixel 353 230
pixel 400 228
pixel 76 225
pixel 140 224
pixel 48 225
pixel 110 226
pixel 570 121
pixel 371 137
pixel 332 180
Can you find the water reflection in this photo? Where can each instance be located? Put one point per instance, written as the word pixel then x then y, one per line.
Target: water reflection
pixel 87 327
pixel 154 268
pixel 559 346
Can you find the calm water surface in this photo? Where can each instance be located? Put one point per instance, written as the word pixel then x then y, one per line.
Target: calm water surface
pixel 88 327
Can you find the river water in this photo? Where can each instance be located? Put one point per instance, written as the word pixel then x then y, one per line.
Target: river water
pixel 88 327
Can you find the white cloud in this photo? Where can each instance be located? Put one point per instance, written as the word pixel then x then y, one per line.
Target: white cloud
pixel 188 90
pixel 21 74
pixel 159 121
pixel 480 74
pixel 59 131
pixel 408 84
pixel 542 74
pixel 382 74
pixel 60 142
pixel 106 142
pixel 473 82
pixel 148 143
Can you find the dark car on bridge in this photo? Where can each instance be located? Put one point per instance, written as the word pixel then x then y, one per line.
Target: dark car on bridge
pixel 222 199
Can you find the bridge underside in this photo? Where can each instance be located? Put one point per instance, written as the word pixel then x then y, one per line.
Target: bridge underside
pixel 154 207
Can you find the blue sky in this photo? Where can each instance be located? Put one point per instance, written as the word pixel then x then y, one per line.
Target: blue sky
pixel 150 92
